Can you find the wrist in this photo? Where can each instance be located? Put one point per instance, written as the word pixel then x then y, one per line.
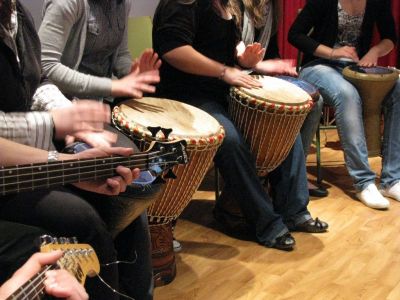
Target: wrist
pixel 223 72
pixel 331 54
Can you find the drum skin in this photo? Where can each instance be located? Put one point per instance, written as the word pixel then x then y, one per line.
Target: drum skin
pixel 203 135
pixel 373 84
pixel 269 118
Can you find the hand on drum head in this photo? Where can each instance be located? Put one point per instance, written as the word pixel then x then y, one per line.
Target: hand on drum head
pixel 111 186
pixel 249 56
pixel 345 52
pixel 277 67
pixel 135 84
pixel 236 77
pixel 369 60
pixel 147 61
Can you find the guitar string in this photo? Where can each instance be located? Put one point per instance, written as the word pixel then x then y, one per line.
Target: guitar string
pixel 91 160
pixel 41 277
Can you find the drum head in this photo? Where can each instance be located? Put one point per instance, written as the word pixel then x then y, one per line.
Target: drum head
pixel 378 74
pixel 278 91
pixel 186 121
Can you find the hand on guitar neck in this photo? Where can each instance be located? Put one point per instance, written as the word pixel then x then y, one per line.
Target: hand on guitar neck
pixel 57 283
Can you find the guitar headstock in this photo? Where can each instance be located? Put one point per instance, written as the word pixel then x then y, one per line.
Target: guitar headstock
pixel 78 259
pixel 170 153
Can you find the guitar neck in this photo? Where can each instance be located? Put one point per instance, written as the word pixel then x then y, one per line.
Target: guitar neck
pixel 33 288
pixel 31 177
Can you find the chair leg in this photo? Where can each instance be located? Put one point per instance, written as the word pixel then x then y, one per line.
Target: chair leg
pixel 217 183
pixel 318 145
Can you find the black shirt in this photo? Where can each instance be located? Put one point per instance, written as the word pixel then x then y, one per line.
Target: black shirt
pixel 199 26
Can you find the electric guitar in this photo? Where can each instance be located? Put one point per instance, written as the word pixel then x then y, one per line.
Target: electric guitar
pixel 25 178
pixel 79 259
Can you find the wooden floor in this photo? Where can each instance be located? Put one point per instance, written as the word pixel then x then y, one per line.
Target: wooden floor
pixel 359 258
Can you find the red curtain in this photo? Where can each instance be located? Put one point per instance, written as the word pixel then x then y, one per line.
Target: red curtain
pixel 289 13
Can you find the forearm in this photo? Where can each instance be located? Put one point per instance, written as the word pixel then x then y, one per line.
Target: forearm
pixel 17 154
pixel 48 97
pixel 382 48
pixel 188 60
pixel 33 128
pixel 323 51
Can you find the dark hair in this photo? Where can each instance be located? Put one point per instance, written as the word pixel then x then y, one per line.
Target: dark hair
pixel 5 13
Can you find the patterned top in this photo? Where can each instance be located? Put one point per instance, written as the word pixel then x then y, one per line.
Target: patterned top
pixel 349 28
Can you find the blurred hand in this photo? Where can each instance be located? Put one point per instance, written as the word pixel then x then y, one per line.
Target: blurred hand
pixel 111 186
pixel 236 77
pixel 135 83
pixel 148 61
pixel 277 67
pixel 58 283
pixel 82 115
pixel 94 139
pixel 345 52
pixel 248 56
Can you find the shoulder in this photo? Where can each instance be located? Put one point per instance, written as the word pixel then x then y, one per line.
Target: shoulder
pixel 71 6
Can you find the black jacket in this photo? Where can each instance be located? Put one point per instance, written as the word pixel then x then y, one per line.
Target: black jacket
pixel 322 16
pixel 18 82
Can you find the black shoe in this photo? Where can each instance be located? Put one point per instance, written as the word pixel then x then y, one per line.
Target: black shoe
pixel 312 226
pixel 318 192
pixel 285 242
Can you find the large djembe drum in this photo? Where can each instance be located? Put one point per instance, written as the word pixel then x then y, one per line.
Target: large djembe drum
pixel 373 84
pixel 151 119
pixel 269 118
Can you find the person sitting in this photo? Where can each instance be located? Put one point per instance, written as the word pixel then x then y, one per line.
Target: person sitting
pixel 66 211
pixel 342 35
pixel 196 41
pixel 58 283
pixel 259 22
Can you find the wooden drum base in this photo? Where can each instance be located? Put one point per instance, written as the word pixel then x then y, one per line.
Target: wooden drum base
pixel 163 256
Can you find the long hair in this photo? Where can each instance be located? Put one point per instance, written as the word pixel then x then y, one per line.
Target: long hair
pixel 5 13
pixel 256 9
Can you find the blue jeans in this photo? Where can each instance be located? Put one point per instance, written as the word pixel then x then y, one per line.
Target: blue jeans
pixel 343 96
pixel 270 218
pixel 310 125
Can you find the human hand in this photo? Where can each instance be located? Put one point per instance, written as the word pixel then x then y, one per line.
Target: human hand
pixel 236 77
pixel 370 59
pixel 248 56
pixel 345 52
pixel 94 139
pixel 135 83
pixel 82 115
pixel 111 186
pixel 61 283
pixel 148 61
pixel 277 67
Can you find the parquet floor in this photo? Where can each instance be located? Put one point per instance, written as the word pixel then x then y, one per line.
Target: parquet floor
pixel 359 258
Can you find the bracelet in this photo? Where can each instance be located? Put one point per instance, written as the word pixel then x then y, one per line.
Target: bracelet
pixel 221 77
pixel 52 156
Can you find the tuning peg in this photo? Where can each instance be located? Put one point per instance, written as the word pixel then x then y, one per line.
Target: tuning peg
pixel 46 239
pixel 170 175
pixel 166 132
pixel 154 130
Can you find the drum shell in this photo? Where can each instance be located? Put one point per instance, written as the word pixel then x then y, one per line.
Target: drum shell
pixel 269 129
pixel 372 89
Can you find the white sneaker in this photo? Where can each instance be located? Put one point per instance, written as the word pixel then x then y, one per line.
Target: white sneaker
pixel 176 245
pixel 371 197
pixel 392 192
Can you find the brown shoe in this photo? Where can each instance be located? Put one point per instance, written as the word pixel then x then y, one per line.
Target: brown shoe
pixel 312 226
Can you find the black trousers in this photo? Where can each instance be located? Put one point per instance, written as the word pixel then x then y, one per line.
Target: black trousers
pixel 17 243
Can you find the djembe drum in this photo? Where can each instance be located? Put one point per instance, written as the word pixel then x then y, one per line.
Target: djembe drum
pixel 373 84
pixel 149 119
pixel 270 118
